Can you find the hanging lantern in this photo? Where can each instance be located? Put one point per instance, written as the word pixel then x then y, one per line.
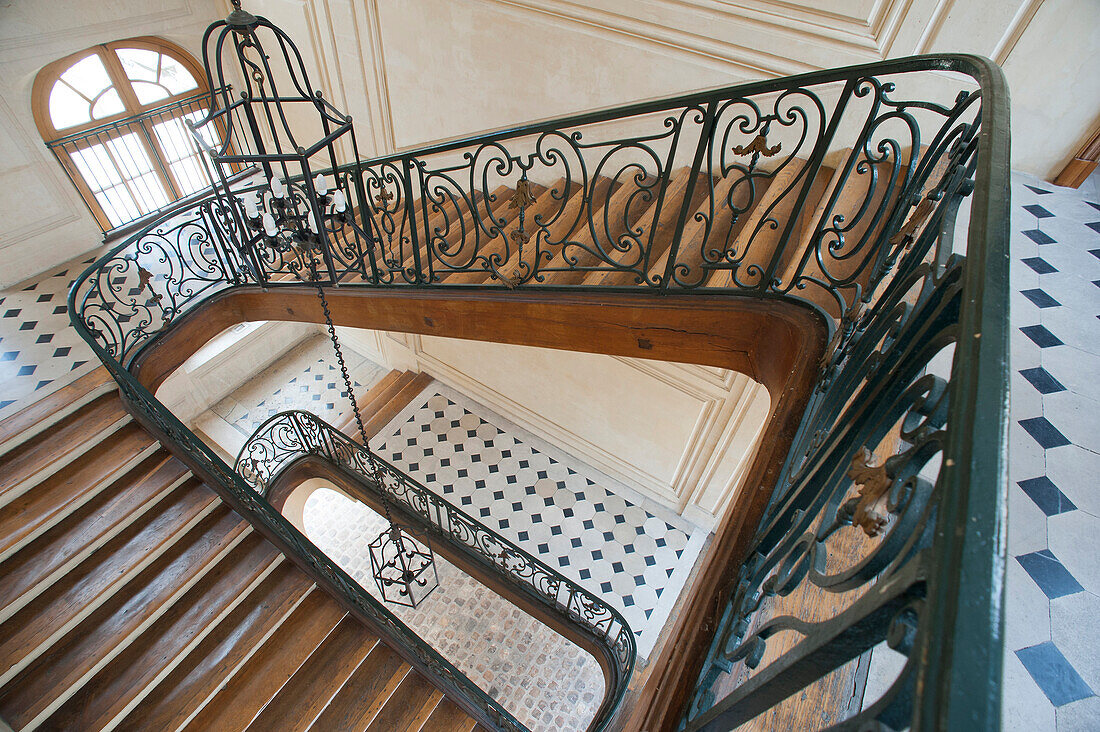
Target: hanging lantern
pixel 293 215
pixel 292 137
pixel 402 565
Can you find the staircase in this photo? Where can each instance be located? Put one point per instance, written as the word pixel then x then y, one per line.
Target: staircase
pixel 133 598
pixel 583 233
pixel 383 401
pixel 799 230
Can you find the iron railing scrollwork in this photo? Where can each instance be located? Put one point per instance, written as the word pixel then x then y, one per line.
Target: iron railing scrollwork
pixel 252 505
pixel 289 436
pixel 837 190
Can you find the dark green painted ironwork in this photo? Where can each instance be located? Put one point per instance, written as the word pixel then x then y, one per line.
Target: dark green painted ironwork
pixel 918 319
pixel 287 437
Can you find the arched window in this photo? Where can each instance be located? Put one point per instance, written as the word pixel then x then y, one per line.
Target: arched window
pixel 113 114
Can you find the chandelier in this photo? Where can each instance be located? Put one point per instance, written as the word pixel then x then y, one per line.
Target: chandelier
pixel 302 204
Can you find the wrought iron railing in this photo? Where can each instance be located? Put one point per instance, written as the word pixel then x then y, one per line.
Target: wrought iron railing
pixel 290 436
pixel 837 190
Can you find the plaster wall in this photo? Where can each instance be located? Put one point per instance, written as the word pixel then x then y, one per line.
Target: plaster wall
pixel 43 220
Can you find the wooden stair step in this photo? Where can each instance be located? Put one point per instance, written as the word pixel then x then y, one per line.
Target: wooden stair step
pixel 197 677
pixel 41 563
pixel 124 681
pixel 318 680
pixel 409 706
pixel 259 679
pixel 572 225
pixel 500 245
pixel 377 394
pixel 365 693
pixel 611 219
pixel 448 717
pixel 844 198
pixel 409 391
pixel 111 628
pixel 779 205
pixel 94 580
pixel 543 209
pixel 661 237
pixel 442 216
pixel 35 418
pixel 27 465
pixel 717 230
pixel 465 237
pixel 34 512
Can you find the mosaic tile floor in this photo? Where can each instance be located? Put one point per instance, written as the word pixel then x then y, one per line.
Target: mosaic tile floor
pixel 558 509
pixel 545 681
pixel 306 378
pixel 1052 648
pixel 39 348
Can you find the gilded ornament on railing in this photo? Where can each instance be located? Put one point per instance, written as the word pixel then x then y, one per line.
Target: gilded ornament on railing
pixel 758 146
pixel 383 197
pixel 519 237
pixel 145 279
pixel 908 233
pixel 873 482
pixel 523 197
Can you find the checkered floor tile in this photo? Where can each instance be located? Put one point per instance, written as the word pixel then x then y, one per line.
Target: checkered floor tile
pixel 1052 645
pixel 38 346
pixel 558 509
pixel 545 681
pixel 307 378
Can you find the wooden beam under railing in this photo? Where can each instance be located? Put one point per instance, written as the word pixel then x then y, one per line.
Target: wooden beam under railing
pixel 779 343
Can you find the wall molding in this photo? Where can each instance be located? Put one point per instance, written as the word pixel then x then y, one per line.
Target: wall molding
pixel 722 399
pixel 1015 30
pixel 47 169
pixel 382 127
pixel 31 40
pixel 617 468
pixel 727 54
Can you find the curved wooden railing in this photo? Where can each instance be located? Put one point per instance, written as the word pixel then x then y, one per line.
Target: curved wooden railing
pixel 835 192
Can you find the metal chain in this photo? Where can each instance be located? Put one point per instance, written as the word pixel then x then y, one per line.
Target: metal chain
pixel 375 470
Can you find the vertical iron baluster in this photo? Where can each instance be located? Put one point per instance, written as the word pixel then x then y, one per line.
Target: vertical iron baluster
pixel 411 212
pixel 696 168
pixel 813 167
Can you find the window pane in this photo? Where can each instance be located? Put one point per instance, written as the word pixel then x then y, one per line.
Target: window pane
pixel 190 176
pixel 88 76
pixel 128 151
pixel 150 192
pixel 148 93
pixel 175 139
pixel 208 132
pixel 96 167
pixel 67 108
pixel 139 64
pixel 118 204
pixel 174 76
pixel 108 104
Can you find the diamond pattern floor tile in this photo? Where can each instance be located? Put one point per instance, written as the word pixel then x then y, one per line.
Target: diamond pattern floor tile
pixel 38 345
pixel 558 509
pixel 1052 534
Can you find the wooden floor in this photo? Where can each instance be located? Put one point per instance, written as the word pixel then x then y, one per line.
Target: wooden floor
pixel 132 598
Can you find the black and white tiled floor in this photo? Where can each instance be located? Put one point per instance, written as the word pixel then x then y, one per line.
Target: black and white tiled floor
pixel 635 556
pixel 1052 648
pixel 306 378
pixel 39 349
